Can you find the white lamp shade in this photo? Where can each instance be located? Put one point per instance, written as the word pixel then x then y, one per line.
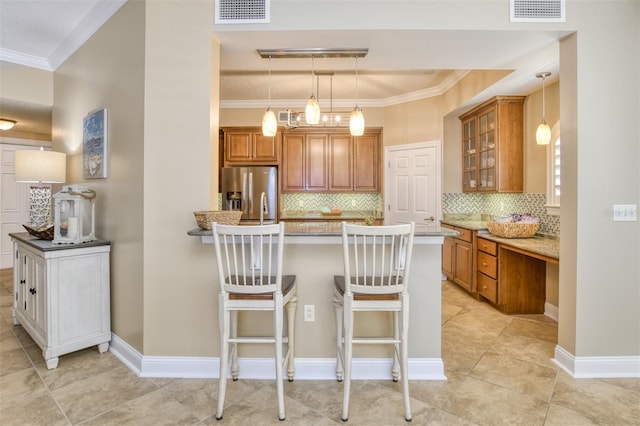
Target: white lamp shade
pixel 312 111
pixel 269 123
pixel 356 122
pixel 40 166
pixel 543 134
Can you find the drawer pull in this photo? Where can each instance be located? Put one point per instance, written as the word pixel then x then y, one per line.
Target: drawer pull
pixel 484 264
pixel 485 287
pixel 484 246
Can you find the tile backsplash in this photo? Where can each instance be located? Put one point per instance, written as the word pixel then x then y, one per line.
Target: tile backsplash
pixel 503 205
pixel 351 201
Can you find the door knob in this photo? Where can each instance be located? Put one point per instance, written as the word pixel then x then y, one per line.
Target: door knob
pixel 430 219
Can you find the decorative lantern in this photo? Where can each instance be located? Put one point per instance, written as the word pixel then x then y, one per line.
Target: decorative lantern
pixel 74 215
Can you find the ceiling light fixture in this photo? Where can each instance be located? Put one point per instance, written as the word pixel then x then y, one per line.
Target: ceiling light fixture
pixel 543 132
pixel 312 111
pixel 6 124
pixel 269 121
pixel 356 120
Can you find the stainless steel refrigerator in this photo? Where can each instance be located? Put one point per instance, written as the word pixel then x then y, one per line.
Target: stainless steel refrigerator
pixel 251 190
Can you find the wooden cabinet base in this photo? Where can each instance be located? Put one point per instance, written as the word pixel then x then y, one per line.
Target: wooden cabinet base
pixel 522 281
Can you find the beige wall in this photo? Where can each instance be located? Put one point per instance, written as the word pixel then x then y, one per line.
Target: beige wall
pixel 26 84
pixel 179 300
pixel 108 71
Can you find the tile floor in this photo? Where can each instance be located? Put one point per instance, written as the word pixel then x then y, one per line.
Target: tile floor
pixel 498 368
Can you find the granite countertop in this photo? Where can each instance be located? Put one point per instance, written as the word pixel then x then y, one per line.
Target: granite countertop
pixel 321 229
pixel 540 244
pixel 297 215
pixel 545 246
pixel 473 222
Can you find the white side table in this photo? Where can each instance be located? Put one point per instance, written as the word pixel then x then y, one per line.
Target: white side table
pixel 62 294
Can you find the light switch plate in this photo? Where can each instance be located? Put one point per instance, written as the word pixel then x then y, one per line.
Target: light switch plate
pixel 625 213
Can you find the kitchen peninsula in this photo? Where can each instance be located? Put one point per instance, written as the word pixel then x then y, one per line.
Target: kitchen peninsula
pixel 313 253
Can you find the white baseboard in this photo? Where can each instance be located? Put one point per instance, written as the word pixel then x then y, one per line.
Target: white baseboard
pixel 262 368
pixel 597 366
pixel 551 311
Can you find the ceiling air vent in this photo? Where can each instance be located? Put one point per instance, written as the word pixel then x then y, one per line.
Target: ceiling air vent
pixel 242 11
pixel 537 11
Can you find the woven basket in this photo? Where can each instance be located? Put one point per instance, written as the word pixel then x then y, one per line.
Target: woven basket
pixel 44 232
pixel 223 217
pixel 513 229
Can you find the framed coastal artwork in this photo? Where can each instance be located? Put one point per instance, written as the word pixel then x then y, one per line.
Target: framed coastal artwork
pixel 94 144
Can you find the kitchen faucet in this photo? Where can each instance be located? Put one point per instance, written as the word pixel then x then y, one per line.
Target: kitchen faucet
pixel 263 207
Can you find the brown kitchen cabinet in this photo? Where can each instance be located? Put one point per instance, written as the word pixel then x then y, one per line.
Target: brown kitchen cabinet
pixel 248 146
pixel 457 258
pixel 511 279
pixel 367 162
pixel 304 162
pixel 330 160
pixel 487 270
pixel 492 146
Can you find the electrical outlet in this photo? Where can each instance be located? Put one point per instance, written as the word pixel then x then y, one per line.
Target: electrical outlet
pixel 625 212
pixel 309 313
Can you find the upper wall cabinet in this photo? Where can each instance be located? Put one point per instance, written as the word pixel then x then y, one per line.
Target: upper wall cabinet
pixel 330 160
pixel 492 146
pixel 247 146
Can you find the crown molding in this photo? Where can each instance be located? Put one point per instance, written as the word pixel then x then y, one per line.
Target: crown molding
pixel 439 90
pixel 27 60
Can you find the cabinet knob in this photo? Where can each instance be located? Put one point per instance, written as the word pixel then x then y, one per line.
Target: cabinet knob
pixel 23 281
pixel 485 287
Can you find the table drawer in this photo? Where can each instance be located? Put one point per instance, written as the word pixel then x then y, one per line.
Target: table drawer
pixel 488 287
pixel 465 234
pixel 487 246
pixel 487 264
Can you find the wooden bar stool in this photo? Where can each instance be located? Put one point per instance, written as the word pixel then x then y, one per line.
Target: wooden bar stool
pixel 249 260
pixel 376 278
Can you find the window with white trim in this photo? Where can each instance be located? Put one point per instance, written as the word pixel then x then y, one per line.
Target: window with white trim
pixel 553 172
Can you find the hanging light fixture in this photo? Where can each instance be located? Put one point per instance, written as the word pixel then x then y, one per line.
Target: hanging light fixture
pixel 312 111
pixel 269 122
pixel 543 133
pixel 356 120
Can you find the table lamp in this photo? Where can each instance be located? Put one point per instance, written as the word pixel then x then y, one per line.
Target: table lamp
pixel 43 168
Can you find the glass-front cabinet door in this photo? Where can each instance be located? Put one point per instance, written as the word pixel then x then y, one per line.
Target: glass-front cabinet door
pixel 469 156
pixel 487 150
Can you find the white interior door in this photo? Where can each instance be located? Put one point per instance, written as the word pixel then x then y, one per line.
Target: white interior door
pixel 413 184
pixel 14 202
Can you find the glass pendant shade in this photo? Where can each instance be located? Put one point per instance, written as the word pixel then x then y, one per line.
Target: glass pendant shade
pixel 269 123
pixel 543 133
pixel 356 122
pixel 312 111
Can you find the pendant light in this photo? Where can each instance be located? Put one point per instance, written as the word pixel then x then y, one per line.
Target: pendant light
pixel 269 122
pixel 312 111
pixel 356 120
pixel 543 133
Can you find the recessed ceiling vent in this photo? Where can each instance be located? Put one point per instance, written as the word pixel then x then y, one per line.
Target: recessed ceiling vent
pixel 537 11
pixel 242 11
